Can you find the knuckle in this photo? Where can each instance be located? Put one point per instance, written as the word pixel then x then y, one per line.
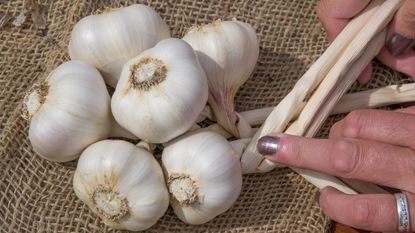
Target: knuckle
pixel 344 157
pixel 364 214
pixel 353 123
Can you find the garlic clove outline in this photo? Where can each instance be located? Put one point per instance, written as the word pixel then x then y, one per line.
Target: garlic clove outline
pixel 228 52
pixel 204 176
pixel 161 92
pixel 122 184
pixel 68 111
pixel 108 40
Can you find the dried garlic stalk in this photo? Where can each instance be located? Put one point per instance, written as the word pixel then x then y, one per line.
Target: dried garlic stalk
pixel 373 98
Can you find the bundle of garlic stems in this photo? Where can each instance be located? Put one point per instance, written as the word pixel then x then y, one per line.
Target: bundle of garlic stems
pixel 373 98
pixel 312 98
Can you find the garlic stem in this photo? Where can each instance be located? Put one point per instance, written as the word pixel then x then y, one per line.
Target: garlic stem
pixel 373 98
pixel 364 187
pixel 323 101
pixel 322 180
pixel 224 111
pixel 393 94
pixel 239 145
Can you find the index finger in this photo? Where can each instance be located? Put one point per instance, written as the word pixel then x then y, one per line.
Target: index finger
pixel 364 160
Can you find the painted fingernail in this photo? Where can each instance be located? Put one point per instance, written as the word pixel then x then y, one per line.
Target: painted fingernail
pixel 268 145
pixel 398 44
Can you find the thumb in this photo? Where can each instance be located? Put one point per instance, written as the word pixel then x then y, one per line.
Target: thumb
pixel 402 29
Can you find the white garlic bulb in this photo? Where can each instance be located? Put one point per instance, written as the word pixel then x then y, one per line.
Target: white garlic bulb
pixel 203 175
pixel 161 92
pixel 68 111
pixel 228 52
pixel 110 39
pixel 121 183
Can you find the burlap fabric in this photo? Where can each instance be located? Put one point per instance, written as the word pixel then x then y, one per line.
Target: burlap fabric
pixel 37 196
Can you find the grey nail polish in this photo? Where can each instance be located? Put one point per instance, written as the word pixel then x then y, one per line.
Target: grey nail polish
pixel 268 145
pixel 398 44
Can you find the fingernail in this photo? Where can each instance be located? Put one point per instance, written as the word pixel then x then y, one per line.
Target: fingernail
pixel 268 145
pixel 398 44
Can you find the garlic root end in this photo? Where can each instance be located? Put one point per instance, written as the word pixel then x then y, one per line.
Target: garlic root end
pixel 183 189
pixel 35 99
pixel 109 204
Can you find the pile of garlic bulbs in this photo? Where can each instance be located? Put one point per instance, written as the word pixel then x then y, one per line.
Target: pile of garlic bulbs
pixel 162 85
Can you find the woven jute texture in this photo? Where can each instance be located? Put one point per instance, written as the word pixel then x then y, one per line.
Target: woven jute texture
pixel 37 196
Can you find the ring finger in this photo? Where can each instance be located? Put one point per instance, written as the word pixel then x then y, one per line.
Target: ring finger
pixel 374 212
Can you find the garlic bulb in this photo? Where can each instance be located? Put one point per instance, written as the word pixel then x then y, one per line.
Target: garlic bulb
pixel 110 39
pixel 68 111
pixel 121 183
pixel 228 52
pixel 203 175
pixel 161 92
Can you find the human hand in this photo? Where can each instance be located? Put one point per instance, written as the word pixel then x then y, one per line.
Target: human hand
pixel 398 53
pixel 376 146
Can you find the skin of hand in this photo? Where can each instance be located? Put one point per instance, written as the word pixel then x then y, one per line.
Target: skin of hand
pixel 399 52
pixel 376 146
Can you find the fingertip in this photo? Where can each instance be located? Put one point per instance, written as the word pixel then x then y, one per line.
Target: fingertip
pixel 325 196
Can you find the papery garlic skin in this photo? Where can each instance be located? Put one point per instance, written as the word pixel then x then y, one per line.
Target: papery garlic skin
pixel 121 183
pixel 203 176
pixel 69 111
pixel 228 52
pixel 108 40
pixel 161 92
